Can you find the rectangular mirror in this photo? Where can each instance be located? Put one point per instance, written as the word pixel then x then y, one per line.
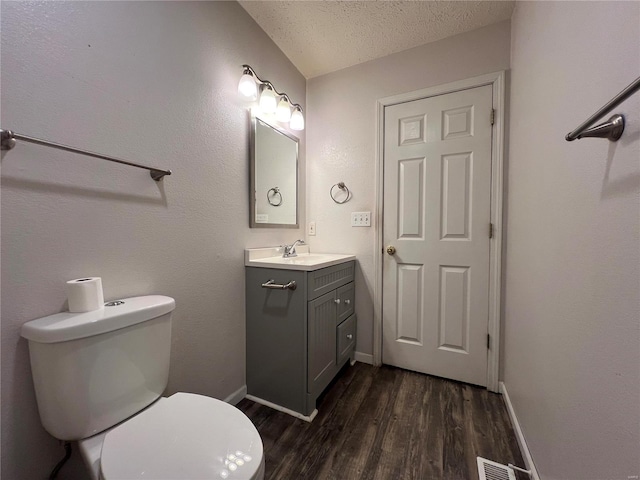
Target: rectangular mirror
pixel 274 176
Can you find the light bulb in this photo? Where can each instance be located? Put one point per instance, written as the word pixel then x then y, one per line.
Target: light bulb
pixel 247 87
pixel 283 114
pixel 297 120
pixel 268 100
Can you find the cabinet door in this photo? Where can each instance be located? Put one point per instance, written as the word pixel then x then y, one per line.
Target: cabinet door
pixel 321 341
pixel 276 337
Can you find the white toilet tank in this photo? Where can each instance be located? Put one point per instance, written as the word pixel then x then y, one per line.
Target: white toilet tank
pixel 93 370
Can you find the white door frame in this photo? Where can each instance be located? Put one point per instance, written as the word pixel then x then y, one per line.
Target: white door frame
pixel 497 81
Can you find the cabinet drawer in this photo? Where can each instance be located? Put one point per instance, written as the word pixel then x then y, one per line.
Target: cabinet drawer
pixel 346 297
pixel 326 279
pixel 346 339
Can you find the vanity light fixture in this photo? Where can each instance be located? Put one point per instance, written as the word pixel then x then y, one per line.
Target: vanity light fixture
pixel 283 113
pixel 268 103
pixel 271 101
pixel 247 86
pixel 297 120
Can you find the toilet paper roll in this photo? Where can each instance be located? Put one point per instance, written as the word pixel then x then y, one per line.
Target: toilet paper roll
pixel 85 294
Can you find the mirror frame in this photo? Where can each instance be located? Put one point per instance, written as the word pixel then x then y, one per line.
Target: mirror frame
pixel 252 174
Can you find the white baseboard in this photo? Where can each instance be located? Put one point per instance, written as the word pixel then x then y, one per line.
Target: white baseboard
pixel 364 358
pixel 522 443
pixel 283 409
pixel 236 396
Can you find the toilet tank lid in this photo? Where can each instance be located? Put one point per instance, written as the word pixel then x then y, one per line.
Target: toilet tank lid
pixel 66 326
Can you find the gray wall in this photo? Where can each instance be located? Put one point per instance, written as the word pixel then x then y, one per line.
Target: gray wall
pixel 342 139
pixel 149 81
pixel 572 359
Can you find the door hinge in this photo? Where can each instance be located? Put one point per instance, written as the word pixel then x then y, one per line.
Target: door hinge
pixel 490 230
pixel 493 116
pixel 488 342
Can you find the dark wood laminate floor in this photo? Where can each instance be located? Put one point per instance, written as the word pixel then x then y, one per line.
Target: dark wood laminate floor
pixel 388 424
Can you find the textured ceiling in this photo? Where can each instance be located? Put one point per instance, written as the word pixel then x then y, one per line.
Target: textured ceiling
pixel 323 36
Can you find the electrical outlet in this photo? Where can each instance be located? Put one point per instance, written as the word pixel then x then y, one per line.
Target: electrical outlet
pixel 360 219
pixel 311 229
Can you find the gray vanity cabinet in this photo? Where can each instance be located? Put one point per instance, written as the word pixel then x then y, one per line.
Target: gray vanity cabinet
pixel 297 340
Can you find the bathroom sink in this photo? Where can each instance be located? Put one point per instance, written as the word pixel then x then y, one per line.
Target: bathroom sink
pixel 272 258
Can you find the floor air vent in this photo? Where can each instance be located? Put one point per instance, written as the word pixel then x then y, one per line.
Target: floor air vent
pixel 489 470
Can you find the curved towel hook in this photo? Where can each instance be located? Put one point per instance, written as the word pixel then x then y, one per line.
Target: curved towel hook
pixel 270 196
pixel 342 187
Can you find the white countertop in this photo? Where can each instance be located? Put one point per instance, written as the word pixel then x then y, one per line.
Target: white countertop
pixel 271 257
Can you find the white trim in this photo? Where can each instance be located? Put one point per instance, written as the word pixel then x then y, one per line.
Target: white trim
pixel 269 404
pixel 497 81
pixel 495 260
pixel 522 443
pixel 363 358
pixel 236 396
pixel 377 252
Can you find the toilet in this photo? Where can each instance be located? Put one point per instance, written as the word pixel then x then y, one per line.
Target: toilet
pixel 99 377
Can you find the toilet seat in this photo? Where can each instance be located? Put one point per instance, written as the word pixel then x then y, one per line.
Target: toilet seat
pixel 184 437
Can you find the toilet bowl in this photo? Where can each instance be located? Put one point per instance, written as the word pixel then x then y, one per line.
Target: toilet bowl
pixel 99 377
pixel 183 437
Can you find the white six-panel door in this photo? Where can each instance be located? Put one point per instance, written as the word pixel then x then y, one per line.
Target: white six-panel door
pixel 437 193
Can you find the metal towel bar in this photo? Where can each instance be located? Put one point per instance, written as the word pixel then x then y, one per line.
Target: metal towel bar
pixel 287 286
pixel 8 141
pixel 612 128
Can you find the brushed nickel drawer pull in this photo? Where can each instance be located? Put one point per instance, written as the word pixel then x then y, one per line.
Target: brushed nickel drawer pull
pixel 277 286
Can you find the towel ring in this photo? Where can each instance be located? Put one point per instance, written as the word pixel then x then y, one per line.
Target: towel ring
pixel 342 187
pixel 276 191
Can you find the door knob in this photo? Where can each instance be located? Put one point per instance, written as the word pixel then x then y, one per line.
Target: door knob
pixel 337 301
pixel 391 249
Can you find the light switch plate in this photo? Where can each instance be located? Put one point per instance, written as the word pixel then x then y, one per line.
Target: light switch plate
pixel 311 229
pixel 360 219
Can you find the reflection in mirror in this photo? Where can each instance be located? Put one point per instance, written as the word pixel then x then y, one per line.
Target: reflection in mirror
pixel 274 176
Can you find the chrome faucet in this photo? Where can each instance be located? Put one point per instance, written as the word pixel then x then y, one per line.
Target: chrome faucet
pixel 290 250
